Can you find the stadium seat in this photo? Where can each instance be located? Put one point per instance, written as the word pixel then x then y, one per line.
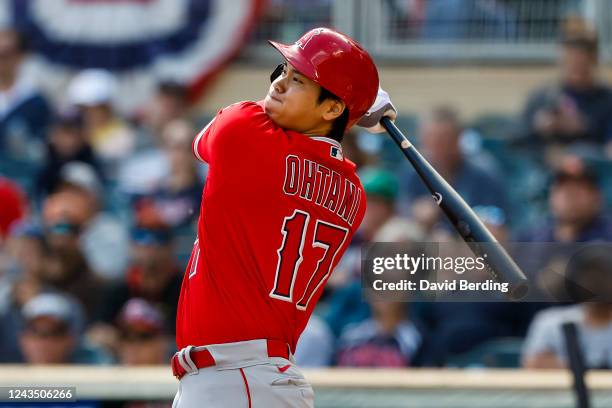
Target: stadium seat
pixel 496 126
pixel 499 353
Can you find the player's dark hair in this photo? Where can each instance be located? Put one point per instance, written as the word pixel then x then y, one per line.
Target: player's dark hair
pixel 339 125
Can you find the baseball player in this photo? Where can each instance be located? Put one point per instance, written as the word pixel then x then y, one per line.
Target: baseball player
pixel 280 206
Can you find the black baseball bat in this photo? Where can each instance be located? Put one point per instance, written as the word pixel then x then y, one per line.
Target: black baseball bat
pixel 500 265
pixel 576 364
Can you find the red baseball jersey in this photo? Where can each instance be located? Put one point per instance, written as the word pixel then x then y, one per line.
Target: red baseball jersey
pixel 279 209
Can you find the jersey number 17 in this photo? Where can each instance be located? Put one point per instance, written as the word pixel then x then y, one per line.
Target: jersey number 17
pixel 327 236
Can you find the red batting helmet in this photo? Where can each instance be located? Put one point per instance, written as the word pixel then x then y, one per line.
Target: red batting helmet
pixel 337 63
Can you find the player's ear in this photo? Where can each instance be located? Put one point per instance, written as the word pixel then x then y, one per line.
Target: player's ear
pixel 334 109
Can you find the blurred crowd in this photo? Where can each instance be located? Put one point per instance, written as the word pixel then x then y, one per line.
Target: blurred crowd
pixel 97 218
pixel 98 214
pixel 432 20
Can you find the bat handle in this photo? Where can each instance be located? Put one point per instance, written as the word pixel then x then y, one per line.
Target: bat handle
pixel 399 138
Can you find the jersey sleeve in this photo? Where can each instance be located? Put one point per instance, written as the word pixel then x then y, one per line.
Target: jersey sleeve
pixel 225 132
pixel 200 144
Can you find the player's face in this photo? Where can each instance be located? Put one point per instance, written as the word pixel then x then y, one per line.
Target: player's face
pixel 292 103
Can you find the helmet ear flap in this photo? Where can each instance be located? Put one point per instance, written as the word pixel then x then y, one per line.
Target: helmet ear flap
pixel 276 73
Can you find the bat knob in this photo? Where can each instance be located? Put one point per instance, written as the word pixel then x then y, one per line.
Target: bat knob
pixel 519 290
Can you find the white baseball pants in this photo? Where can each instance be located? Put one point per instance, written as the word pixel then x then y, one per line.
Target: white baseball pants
pixel 244 376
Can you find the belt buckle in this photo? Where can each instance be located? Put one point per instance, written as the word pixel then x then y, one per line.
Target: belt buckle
pixel 185 361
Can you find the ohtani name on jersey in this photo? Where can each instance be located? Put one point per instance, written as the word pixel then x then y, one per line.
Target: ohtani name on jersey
pixel 324 187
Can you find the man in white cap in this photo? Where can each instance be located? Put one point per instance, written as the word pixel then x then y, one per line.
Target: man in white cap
pixel 52 331
pixel 93 91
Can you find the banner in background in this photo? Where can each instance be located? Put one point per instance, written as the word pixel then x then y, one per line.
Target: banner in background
pixel 140 41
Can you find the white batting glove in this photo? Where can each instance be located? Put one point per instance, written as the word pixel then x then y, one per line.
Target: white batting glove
pixel 382 107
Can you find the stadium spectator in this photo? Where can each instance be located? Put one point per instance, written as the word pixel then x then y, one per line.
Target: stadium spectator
pixel 494 219
pixel 576 206
pixel 352 149
pixel 577 215
pixel 103 239
pixel 345 303
pixel 175 201
pixel 387 339
pixel 380 224
pixel 22 259
pixel 142 337
pixel 66 267
pixel 345 306
pixel 146 172
pixel 27 248
pixel 24 113
pixel 66 144
pixel 52 324
pixel 576 109
pixel 315 348
pixel 457 328
pixel 110 136
pixel 381 188
pixel 588 281
pixel 439 137
pixel 170 103
pixel 163 166
pixel 545 344
pixel 17 259
pixel 153 275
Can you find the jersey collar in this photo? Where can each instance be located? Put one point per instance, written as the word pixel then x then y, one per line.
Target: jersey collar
pixel 335 149
pixel 328 140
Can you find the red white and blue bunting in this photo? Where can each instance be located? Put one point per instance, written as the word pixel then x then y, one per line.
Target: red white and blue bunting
pixel 140 41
